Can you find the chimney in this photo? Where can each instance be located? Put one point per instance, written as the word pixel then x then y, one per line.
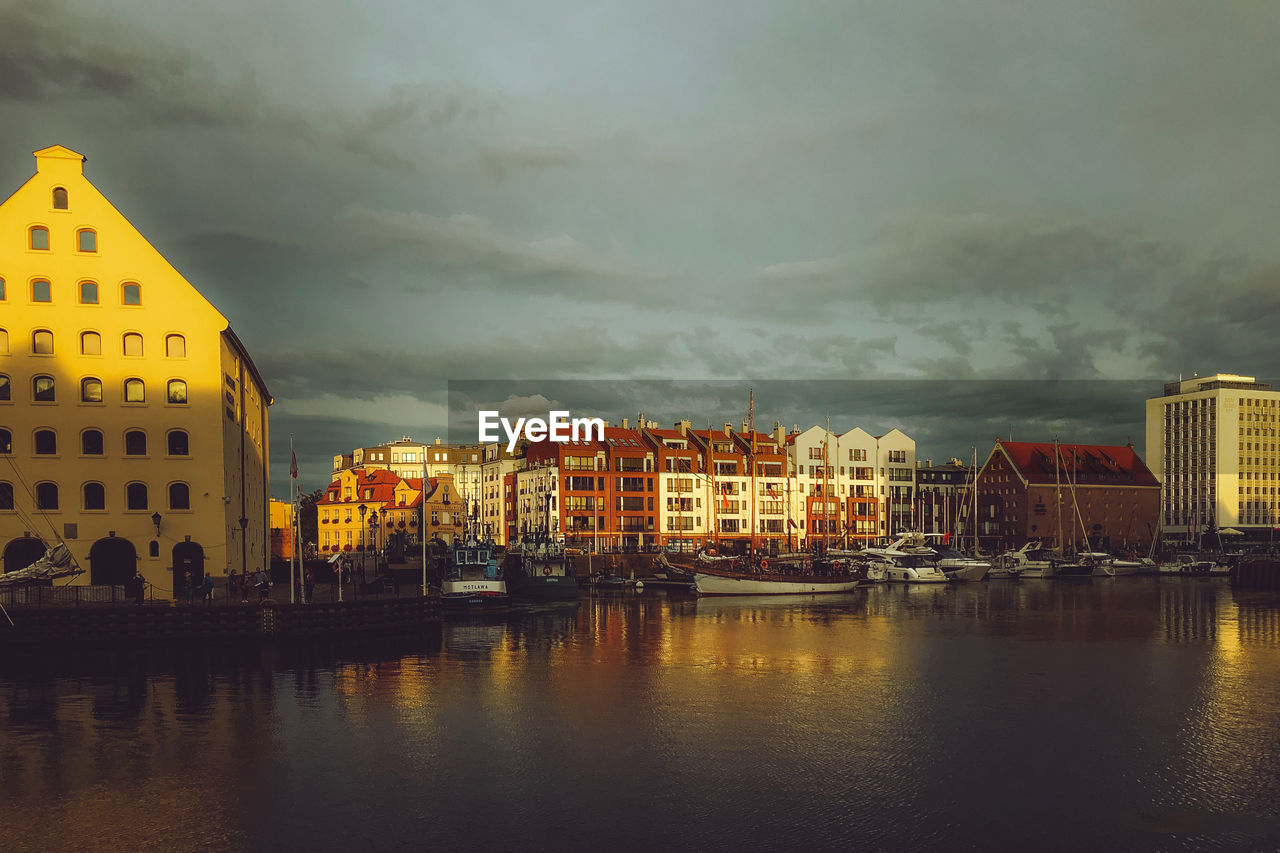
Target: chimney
pixel 683 427
pixel 728 430
pixel 437 439
pixel 624 424
pixel 779 435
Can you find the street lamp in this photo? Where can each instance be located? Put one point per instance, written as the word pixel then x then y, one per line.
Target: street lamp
pixel 362 509
pixel 373 539
pixel 155 519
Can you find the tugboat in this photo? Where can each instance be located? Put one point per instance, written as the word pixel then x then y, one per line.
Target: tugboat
pixel 540 571
pixel 473 583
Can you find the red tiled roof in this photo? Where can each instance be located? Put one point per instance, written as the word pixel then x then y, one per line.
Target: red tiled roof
pixel 1083 464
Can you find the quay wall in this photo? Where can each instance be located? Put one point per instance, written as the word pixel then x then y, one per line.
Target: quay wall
pixel 264 621
pixel 1257 574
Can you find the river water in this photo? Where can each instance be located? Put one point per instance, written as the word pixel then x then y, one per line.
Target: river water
pixel 1130 713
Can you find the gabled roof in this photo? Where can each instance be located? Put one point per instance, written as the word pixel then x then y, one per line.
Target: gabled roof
pixel 1081 464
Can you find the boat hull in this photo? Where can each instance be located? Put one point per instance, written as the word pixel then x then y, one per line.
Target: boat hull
pixel 545 587
pixel 709 584
pixel 474 595
pixel 969 574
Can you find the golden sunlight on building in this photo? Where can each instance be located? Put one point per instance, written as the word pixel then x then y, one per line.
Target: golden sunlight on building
pixel 133 424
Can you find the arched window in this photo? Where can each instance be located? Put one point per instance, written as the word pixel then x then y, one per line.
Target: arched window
pixel 46 495
pixel 179 444
pixel 42 342
pixel 90 343
pixel 177 392
pixel 6 495
pixel 88 293
pixel 91 442
pixel 131 294
pixel 4 342
pixel 41 291
pixel 87 240
pixel 135 496
pixel 46 442
pixel 95 496
pixel 179 496
pixel 4 387
pixel 134 391
pixel 39 237
pixel 42 389
pixel 6 441
pixel 135 443
pixel 154 548
pixel 90 390
pixel 59 198
pixel 175 346
pixel 132 343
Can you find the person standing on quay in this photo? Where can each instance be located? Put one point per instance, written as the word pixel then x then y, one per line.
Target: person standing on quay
pixel 206 589
pixel 189 586
pixel 139 586
pixel 233 585
pixel 311 584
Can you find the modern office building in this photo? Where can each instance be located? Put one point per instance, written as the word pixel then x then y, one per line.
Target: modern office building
pixel 1211 440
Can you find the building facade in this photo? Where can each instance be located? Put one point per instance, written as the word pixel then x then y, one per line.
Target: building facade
pixel 1212 443
pixel 134 419
pixel 1092 496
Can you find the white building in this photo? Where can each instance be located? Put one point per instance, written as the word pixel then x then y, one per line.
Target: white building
pixel 1211 441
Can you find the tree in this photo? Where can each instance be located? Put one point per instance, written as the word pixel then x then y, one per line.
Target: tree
pixel 308 516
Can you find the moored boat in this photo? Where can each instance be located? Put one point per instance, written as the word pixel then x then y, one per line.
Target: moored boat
pixel 541 572
pixel 710 581
pixel 473 583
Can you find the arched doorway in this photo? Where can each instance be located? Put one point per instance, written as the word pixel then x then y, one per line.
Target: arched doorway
pixel 187 556
pixel 20 553
pixel 112 561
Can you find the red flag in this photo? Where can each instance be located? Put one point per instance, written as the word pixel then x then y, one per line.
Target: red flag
pixel 293 465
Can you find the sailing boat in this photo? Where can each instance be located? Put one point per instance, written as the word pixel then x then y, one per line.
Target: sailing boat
pixel 1062 567
pixel 765 578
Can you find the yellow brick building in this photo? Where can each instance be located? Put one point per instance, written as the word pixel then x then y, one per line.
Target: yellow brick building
pixel 133 423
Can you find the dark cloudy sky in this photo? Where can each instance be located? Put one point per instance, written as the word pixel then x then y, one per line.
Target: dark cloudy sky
pixel 383 197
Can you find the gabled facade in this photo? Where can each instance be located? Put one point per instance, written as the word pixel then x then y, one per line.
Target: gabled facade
pixel 1100 495
pixel 133 416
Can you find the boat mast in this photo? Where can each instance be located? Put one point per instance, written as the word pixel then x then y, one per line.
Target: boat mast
pixel 975 502
pixel 1057 484
pixel 751 427
pixel 715 492
pixel 826 487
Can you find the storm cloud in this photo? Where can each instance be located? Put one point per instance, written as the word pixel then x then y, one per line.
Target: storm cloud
pixel 797 192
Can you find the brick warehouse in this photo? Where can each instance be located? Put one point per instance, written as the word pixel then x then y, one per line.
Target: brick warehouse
pixel 1104 494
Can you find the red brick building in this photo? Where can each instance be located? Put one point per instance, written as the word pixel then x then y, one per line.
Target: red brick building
pixel 1105 496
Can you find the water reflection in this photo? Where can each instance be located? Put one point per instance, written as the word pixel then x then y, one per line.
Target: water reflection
pixel 888 717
